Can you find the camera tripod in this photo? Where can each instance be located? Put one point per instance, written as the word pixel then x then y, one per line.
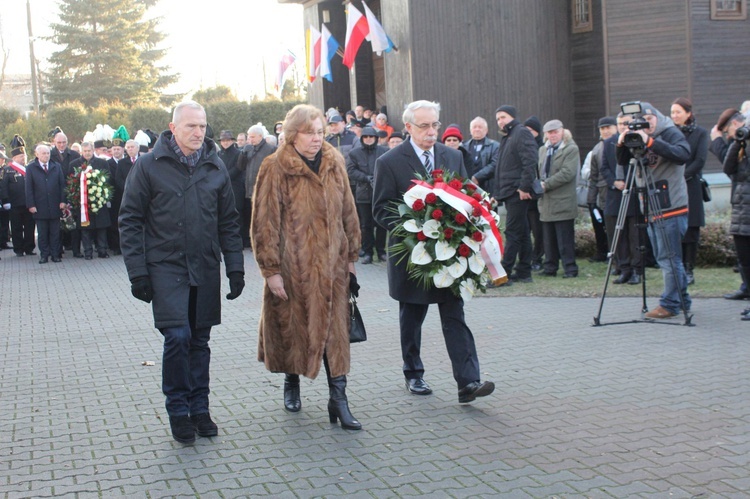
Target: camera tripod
pixel 650 194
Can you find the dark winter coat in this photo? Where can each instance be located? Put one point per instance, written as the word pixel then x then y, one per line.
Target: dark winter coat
pixel 698 140
pixel 361 169
pixel 739 171
pixel 118 179
pixel 249 162
pixel 101 219
pixel 65 158
pixel 516 165
pixel 230 156
pixel 394 172
pixel 174 227
pixel 487 154
pixel 13 188
pixel 608 171
pixel 305 227
pixel 45 191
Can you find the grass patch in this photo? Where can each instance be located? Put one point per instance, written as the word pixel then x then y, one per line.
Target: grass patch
pixel 710 283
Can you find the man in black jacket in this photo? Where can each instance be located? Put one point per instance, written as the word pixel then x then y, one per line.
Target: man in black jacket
pixel 394 172
pixel 45 200
pixel 177 218
pixel 361 169
pixel 513 175
pixel 13 195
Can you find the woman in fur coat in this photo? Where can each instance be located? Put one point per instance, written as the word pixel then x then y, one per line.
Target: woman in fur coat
pixel 305 231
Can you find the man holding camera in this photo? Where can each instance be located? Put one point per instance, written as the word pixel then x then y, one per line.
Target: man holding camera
pixel 664 151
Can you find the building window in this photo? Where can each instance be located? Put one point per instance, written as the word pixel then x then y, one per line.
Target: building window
pixel 582 21
pixel 728 10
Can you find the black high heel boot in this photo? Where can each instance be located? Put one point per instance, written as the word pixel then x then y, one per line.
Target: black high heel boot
pixel 292 402
pixel 338 405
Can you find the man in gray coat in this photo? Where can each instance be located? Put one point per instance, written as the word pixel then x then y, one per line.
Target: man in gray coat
pixel 253 154
pixel 177 218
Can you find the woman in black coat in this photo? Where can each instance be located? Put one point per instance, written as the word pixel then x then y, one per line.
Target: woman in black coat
pixel 697 137
pixel 737 167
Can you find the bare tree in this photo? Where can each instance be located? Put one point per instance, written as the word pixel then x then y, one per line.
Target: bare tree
pixel 5 55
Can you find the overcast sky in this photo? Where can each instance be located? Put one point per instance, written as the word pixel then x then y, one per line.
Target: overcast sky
pixel 226 45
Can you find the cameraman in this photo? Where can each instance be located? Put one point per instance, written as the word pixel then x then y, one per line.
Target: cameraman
pixel 737 167
pixel 665 151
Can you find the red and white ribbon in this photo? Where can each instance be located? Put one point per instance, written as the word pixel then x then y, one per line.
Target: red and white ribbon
pixel 85 197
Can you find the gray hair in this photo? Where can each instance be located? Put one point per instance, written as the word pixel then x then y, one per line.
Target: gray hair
pixel 478 119
pixel 40 145
pixel 182 105
pixel 271 139
pixel 382 116
pixel 408 116
pixel 257 130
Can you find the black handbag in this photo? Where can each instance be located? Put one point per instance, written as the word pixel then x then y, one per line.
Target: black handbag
pixel 706 189
pixel 357 331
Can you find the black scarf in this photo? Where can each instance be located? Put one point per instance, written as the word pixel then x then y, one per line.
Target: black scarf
pixel 313 164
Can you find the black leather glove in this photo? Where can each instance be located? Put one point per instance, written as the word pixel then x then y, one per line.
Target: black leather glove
pixel 353 286
pixel 141 288
pixel 236 285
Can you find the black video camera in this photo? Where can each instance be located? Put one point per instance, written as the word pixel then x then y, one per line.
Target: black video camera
pixel 634 141
pixel 742 133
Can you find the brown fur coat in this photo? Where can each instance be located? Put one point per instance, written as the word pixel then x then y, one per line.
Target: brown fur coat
pixel 305 227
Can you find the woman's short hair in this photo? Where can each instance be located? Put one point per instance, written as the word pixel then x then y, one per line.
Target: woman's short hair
pixel 300 119
pixel 408 116
pixel 687 106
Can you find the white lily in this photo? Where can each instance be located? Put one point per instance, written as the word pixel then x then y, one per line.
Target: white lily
pixel 458 268
pixel 411 226
pixel 444 251
pixel 420 255
pixel 476 263
pixel 470 243
pixel 431 229
pixel 416 192
pixel 443 278
pixel 467 289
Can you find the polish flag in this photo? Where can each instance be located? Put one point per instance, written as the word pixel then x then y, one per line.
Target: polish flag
pixel 286 60
pixel 357 30
pixel 379 39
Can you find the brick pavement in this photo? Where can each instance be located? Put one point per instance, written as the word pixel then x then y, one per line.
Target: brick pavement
pixel 619 411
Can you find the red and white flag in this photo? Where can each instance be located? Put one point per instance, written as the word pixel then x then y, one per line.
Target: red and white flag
pixel 357 30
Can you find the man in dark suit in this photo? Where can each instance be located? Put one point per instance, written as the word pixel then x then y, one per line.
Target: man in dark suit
pixel 63 155
pixel 45 200
pixel 394 172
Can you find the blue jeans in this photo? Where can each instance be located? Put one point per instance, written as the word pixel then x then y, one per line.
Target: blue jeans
pixel 667 246
pixel 184 374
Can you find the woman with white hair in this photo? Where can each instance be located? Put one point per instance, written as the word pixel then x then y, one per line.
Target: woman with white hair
pixel 381 123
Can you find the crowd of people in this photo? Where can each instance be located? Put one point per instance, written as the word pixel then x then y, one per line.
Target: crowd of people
pixel 316 195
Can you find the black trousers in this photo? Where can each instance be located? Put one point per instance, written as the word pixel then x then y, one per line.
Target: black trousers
pixel 48 234
pixel 458 340
pixel 373 235
pixel 535 226
pixel 559 245
pixel 690 242
pixel 4 227
pixel 89 236
pixel 22 230
pixel 742 245
pixel 247 216
pixel 517 237
pixel 600 232
pixel 628 254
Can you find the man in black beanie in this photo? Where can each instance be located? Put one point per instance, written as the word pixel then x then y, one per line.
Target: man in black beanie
pixel 513 176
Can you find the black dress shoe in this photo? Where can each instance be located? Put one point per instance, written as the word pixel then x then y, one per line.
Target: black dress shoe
pixel 570 275
pixel 475 389
pixel 292 401
pixel 737 295
pixel 634 279
pixel 204 426
pixel 382 257
pixel 43 259
pixel 548 273
pixel 616 272
pixel 56 259
pixel 77 255
pixel 418 386
pixel 745 312
pixel 182 429
pixel 31 253
pixel 517 278
pixel 623 279
pixel 88 257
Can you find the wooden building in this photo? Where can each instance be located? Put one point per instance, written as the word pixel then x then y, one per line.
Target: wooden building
pixel 574 60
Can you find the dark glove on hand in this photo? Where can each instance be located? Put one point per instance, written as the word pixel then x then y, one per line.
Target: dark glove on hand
pixel 353 286
pixel 141 288
pixel 236 285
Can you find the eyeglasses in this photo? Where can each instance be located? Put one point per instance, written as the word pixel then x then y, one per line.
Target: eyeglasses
pixel 425 126
pixel 310 133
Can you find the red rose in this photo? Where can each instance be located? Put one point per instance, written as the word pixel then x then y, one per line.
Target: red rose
pixel 464 250
pixel 476 211
pixel 437 174
pixel 477 236
pixel 456 184
pixel 477 196
pixel 421 236
pixel 418 205
pixel 460 219
pixel 470 189
pixel 430 198
pixel 437 214
pixel 448 233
